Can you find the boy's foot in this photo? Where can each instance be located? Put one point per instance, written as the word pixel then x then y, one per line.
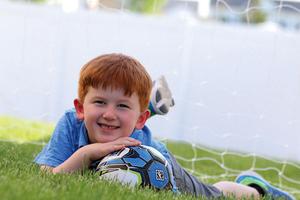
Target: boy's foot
pixel 161 97
pixel 253 179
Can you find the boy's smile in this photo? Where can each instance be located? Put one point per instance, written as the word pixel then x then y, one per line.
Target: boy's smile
pixel 109 114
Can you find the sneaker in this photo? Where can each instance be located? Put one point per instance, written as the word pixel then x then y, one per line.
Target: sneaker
pixel 161 97
pixel 253 179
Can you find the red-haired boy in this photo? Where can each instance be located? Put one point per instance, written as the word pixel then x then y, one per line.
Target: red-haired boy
pixel 110 113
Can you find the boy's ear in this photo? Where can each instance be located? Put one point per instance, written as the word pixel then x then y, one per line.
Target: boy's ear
pixel 142 119
pixel 79 109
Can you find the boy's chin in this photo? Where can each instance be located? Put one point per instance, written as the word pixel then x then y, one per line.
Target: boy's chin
pixel 105 139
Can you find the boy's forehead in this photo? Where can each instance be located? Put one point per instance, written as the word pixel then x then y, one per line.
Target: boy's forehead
pixel 114 88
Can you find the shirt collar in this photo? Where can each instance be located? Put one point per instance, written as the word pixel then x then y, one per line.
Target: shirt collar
pixel 143 135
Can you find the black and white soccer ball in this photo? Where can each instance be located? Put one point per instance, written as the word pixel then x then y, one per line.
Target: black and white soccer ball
pixel 136 166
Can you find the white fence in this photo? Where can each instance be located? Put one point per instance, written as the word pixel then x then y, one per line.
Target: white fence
pixel 235 87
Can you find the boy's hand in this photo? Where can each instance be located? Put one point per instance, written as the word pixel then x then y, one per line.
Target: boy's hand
pixel 100 150
pixel 83 157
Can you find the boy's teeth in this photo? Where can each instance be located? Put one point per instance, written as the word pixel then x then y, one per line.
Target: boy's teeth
pixel 107 126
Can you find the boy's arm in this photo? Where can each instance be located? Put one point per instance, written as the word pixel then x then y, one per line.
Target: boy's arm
pixel 46 168
pixel 83 157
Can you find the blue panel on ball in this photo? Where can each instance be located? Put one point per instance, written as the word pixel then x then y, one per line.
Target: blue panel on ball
pixel 158 175
pixel 144 154
pixel 115 161
pixel 137 162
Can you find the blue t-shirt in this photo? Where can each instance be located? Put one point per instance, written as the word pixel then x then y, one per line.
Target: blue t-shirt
pixel 70 134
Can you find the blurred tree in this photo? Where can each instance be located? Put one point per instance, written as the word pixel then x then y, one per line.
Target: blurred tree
pixel 255 15
pixel 146 6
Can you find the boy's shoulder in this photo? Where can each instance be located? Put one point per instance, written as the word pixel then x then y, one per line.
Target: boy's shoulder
pixel 70 117
pixel 71 130
pixel 71 113
pixel 68 136
pixel 70 125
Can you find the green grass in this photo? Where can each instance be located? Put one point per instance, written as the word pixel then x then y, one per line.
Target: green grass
pixel 21 179
pixel 24 130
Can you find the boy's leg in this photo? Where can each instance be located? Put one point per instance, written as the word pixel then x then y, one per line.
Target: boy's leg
pixel 161 97
pixel 232 189
pixel 187 183
pixel 256 181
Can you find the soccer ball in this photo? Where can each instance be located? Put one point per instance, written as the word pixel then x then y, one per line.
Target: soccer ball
pixel 136 166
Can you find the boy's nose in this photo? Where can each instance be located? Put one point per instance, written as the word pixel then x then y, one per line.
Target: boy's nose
pixel 109 113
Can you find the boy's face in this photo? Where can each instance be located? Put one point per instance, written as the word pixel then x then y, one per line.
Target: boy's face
pixel 109 114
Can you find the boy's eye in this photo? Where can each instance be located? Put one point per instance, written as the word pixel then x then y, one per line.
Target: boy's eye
pixel 99 102
pixel 123 106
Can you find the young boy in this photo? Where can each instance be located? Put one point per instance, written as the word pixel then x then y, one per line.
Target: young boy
pixel 110 113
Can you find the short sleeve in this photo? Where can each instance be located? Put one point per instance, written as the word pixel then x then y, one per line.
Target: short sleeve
pixel 60 146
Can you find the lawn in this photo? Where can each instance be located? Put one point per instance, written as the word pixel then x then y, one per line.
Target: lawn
pixel 21 179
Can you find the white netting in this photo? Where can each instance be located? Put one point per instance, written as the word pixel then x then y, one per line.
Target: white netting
pixel 276 167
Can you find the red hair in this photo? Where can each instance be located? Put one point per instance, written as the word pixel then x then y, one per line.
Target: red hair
pixel 116 71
